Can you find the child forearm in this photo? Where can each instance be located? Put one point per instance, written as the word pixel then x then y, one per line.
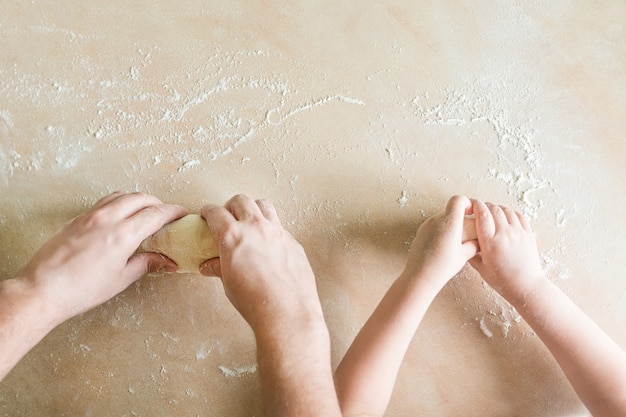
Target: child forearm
pixel 593 363
pixel 366 375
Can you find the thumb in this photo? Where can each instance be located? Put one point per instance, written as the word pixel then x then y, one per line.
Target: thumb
pixel 211 268
pixel 144 263
pixel 470 249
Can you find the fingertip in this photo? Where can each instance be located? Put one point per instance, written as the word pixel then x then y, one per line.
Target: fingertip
pixel 207 208
pixel 211 268
pixel 458 200
pixel 471 248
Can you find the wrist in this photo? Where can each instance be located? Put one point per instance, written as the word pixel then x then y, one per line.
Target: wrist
pixel 290 330
pixel 423 282
pixel 25 300
pixel 518 296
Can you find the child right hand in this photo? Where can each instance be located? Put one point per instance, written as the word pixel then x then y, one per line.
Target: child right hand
pixel 438 251
pixel 508 259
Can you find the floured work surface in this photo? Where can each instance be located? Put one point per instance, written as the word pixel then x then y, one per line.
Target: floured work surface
pixel 357 123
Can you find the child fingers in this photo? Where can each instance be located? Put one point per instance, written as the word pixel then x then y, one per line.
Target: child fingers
pixel 485 224
pixel 499 218
pixel 456 209
pixel 511 216
pixel 523 221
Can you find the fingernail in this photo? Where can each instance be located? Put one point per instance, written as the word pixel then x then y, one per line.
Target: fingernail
pixel 168 267
pixel 206 270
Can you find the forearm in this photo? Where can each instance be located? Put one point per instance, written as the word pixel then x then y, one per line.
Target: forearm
pixel 295 371
pixel 593 363
pixel 24 321
pixel 366 376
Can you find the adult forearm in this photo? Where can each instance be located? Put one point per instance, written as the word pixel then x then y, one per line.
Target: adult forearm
pixel 24 320
pixel 593 363
pixel 295 371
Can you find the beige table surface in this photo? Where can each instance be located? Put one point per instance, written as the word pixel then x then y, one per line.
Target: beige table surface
pixel 358 120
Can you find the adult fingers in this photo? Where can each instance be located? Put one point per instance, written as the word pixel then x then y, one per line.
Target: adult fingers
pixel 143 263
pixel 107 199
pixel 128 204
pixel 268 210
pixel 219 219
pixel 150 219
pixel 243 207
pixel 211 268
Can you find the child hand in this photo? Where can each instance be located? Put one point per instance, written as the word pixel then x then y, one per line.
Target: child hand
pixel 508 259
pixel 438 250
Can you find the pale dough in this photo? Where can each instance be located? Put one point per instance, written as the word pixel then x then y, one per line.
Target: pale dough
pixel 187 241
pixel 469 229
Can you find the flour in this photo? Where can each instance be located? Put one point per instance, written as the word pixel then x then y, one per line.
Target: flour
pixel 479 103
pixel 404 198
pixel 6 169
pixel 238 372
pixel 7 118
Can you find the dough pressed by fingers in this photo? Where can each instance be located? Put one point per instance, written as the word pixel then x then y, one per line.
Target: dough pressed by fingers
pixel 187 241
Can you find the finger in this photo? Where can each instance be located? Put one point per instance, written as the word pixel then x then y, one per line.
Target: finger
pixel 107 199
pixel 150 219
pixel 268 210
pixel 144 263
pixel 218 219
pixel 523 221
pixel 499 218
pixel 510 215
pixel 456 209
pixel 100 203
pixel 469 249
pixel 211 268
pixel 485 226
pixel 128 204
pixel 243 207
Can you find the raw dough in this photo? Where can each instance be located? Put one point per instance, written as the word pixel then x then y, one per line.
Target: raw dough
pixel 469 229
pixel 187 241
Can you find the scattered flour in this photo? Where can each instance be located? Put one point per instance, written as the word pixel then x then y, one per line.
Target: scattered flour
pixel 238 372
pixel 518 161
pixel 6 169
pixel 404 198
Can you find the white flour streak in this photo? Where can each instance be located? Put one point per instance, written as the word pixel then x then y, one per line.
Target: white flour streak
pixel 238 372
pixel 177 115
pixel 6 169
pixel 322 101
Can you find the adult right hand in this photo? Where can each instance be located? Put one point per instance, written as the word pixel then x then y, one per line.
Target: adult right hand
pixel 265 272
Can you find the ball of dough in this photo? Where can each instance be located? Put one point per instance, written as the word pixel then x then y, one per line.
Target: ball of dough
pixel 187 241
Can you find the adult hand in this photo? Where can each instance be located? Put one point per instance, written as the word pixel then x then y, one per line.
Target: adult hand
pixel 91 259
pixel 265 271
pixel 268 278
